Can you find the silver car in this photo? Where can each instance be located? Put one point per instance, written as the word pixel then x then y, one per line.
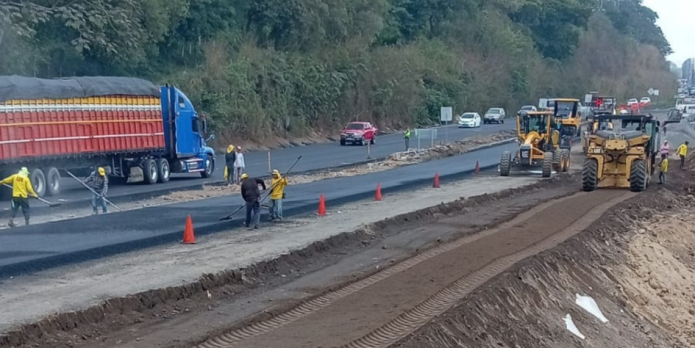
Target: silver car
pixel 494 115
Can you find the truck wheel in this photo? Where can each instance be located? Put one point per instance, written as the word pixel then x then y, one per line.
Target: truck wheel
pixel 373 141
pixel 149 171
pixel 53 181
pixel 38 180
pixel 163 170
pixel 589 175
pixel 638 176
pixel 342 142
pixel 209 168
pixel 506 163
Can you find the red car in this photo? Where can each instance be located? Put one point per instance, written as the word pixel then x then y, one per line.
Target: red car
pixel 358 133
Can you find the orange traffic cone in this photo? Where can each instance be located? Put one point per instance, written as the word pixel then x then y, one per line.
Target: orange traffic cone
pixel 378 192
pixel 322 206
pixel 477 168
pixel 436 180
pixel 188 236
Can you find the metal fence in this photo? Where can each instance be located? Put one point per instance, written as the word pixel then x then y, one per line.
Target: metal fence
pixel 425 137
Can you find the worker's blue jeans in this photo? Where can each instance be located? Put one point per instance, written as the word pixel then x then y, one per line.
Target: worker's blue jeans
pixel 253 210
pixel 276 208
pixel 96 199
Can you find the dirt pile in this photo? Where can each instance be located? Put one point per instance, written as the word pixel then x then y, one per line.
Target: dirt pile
pixel 637 263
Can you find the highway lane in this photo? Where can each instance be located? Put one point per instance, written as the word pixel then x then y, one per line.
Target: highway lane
pixel 35 247
pixel 315 157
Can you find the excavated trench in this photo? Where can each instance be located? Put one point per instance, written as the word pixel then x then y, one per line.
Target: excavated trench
pixel 637 263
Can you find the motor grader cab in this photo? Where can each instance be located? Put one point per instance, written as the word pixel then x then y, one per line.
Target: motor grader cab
pixel 539 145
pixel 622 157
pixel 567 114
pixel 596 124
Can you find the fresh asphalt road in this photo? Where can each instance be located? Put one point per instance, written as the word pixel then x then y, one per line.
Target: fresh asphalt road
pixel 314 157
pixel 30 248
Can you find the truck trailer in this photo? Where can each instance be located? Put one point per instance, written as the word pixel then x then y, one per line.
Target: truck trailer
pixel 129 126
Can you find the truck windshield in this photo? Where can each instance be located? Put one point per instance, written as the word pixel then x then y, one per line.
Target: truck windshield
pixel 355 126
pixel 564 109
pixel 536 123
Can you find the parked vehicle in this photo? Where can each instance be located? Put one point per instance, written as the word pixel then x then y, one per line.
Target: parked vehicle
pixel 470 120
pixel 632 101
pixel 358 133
pixel 645 100
pixel 494 115
pixel 129 126
pixel 528 108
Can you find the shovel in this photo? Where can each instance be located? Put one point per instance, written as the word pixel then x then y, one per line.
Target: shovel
pixel 49 203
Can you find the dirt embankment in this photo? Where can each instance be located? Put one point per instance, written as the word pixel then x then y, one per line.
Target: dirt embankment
pixel 637 263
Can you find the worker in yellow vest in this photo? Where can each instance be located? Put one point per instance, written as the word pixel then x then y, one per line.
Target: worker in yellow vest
pixel 682 152
pixel 21 190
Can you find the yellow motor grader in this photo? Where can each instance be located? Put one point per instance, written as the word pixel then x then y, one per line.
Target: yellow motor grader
pixel 539 145
pixel 567 114
pixel 621 153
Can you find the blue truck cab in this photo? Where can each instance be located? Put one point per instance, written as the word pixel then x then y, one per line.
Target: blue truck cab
pixel 186 148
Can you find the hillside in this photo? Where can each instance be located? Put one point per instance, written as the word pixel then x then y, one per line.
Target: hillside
pixel 270 69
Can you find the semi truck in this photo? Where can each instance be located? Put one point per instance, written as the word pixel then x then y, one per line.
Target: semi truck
pixel 134 129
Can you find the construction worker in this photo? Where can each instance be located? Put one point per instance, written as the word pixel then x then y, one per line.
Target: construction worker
pixel 665 149
pixel 277 186
pixel 407 138
pixel 664 169
pixel 229 159
pixel 252 196
pixel 239 165
pixel 682 152
pixel 21 190
pixel 99 183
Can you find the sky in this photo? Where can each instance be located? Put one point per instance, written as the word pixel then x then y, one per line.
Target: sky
pixel 676 21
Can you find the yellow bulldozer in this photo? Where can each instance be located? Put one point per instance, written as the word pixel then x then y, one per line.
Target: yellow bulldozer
pixel 621 152
pixel 539 145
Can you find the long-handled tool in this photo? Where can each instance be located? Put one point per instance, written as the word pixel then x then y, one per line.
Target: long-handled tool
pixel 229 217
pixel 94 192
pixel 50 204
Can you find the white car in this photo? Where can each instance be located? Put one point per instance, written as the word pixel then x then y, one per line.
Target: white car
pixel 494 115
pixel 470 120
pixel 632 101
pixel 645 100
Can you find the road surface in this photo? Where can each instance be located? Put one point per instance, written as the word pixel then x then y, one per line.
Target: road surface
pixel 314 157
pixel 30 248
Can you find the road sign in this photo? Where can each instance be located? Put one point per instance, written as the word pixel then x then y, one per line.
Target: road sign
pixel 656 92
pixel 447 114
pixel 588 98
pixel 651 91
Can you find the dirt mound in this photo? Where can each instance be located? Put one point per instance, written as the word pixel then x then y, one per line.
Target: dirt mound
pixel 637 263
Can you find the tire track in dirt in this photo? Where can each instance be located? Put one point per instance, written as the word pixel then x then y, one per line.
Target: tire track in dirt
pixel 383 308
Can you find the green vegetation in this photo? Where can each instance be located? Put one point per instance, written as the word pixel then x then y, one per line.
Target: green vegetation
pixel 264 68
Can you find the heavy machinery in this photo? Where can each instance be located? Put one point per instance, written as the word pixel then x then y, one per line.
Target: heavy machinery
pixel 621 157
pixel 539 145
pixel 603 106
pixel 566 113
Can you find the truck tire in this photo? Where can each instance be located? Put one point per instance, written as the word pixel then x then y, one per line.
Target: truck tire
pixel 38 181
pixel 342 142
pixel 506 163
pixel 53 181
pixel 209 167
pixel 589 175
pixel 547 168
pixel 373 141
pixel 638 176
pixel 163 170
pixel 149 171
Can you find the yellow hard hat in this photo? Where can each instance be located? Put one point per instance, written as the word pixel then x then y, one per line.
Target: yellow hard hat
pixel 230 148
pixel 24 171
pixel 244 176
pixel 102 171
pixel 276 172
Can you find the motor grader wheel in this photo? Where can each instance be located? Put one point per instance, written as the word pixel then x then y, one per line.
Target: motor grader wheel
pixel 547 165
pixel 638 176
pixel 557 160
pixel 566 160
pixel 506 163
pixel 589 175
